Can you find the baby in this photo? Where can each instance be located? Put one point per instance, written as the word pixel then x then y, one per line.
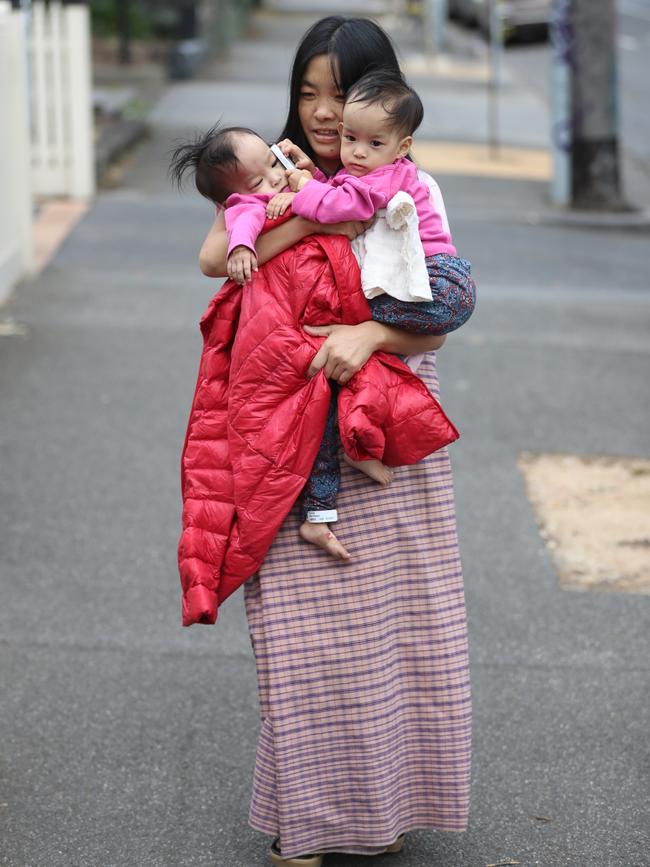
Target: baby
pixel 380 115
pixel 235 169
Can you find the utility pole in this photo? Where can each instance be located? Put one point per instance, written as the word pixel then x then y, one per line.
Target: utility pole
pixel 123 14
pixel 187 20
pixel 435 24
pixel 585 106
pixel 495 78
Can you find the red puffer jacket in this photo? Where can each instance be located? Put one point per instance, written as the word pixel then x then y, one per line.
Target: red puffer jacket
pixel 256 420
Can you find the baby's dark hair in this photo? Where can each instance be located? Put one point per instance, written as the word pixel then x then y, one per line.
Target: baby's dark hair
pixel 208 157
pixel 386 88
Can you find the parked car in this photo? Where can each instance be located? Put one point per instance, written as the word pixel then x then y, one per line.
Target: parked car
pixel 465 11
pixel 519 18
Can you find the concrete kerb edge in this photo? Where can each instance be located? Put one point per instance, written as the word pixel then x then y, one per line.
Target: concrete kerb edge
pixel 632 219
pixel 117 140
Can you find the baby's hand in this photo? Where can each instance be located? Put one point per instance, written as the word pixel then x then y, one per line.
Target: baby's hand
pixel 241 264
pixel 297 179
pixel 278 205
pixel 299 157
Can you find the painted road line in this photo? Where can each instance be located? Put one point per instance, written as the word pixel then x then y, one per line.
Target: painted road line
pixel 461 158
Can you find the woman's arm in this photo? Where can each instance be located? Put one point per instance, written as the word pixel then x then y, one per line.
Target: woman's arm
pixel 348 347
pixel 214 251
pixel 402 343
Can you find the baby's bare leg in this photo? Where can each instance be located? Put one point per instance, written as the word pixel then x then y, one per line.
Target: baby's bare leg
pixel 320 491
pixel 375 469
pixel 322 536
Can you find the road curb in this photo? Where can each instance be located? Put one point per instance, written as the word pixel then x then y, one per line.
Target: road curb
pixel 627 220
pixel 117 138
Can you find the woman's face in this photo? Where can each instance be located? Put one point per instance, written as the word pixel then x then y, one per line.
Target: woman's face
pixel 320 110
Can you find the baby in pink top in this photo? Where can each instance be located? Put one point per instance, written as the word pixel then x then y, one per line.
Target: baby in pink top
pixel 235 169
pixel 380 115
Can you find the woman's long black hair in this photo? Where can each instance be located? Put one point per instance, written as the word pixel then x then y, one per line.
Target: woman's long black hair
pixel 354 45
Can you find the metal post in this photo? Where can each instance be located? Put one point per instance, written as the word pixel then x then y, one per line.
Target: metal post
pixel 561 102
pixel 495 77
pixel 124 30
pixel 441 14
pixel 187 20
pixel 435 24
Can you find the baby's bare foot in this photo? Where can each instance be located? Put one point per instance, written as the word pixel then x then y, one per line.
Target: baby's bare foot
pixel 322 536
pixel 375 469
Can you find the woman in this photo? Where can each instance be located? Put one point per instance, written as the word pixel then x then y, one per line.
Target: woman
pixel 362 667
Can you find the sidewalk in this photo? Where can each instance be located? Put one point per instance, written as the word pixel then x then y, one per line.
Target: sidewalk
pixel 130 741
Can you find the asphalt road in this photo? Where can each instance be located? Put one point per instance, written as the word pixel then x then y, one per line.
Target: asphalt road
pixel 130 742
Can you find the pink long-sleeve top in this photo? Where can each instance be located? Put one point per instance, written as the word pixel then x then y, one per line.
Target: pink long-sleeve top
pixel 347 197
pixel 245 215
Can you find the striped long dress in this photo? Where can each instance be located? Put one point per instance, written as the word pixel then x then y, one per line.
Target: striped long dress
pixel 362 669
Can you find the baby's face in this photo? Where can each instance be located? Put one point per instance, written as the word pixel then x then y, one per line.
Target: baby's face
pixel 367 140
pixel 259 170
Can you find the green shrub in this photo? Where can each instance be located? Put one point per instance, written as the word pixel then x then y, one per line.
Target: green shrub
pixel 104 18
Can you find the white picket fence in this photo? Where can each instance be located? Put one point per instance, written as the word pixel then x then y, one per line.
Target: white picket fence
pixel 15 180
pixel 61 100
pixel 45 116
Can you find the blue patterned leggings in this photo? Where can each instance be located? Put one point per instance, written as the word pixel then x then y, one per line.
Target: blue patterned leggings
pixel 453 299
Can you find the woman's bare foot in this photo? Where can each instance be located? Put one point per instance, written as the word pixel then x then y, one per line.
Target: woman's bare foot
pixel 375 469
pixel 322 536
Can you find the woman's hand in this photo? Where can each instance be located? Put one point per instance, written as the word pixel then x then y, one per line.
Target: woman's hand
pixel 348 347
pixel 345 351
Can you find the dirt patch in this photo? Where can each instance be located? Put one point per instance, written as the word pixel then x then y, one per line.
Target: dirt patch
pixel 594 514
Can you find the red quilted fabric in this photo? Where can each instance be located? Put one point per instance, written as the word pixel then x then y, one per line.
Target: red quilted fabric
pixel 256 420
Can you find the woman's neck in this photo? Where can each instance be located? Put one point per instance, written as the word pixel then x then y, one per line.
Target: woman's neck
pixel 329 167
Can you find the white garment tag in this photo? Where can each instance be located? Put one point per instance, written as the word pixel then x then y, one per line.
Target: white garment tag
pixel 325 516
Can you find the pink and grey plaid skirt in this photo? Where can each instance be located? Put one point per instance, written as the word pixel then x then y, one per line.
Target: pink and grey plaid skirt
pixel 362 669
